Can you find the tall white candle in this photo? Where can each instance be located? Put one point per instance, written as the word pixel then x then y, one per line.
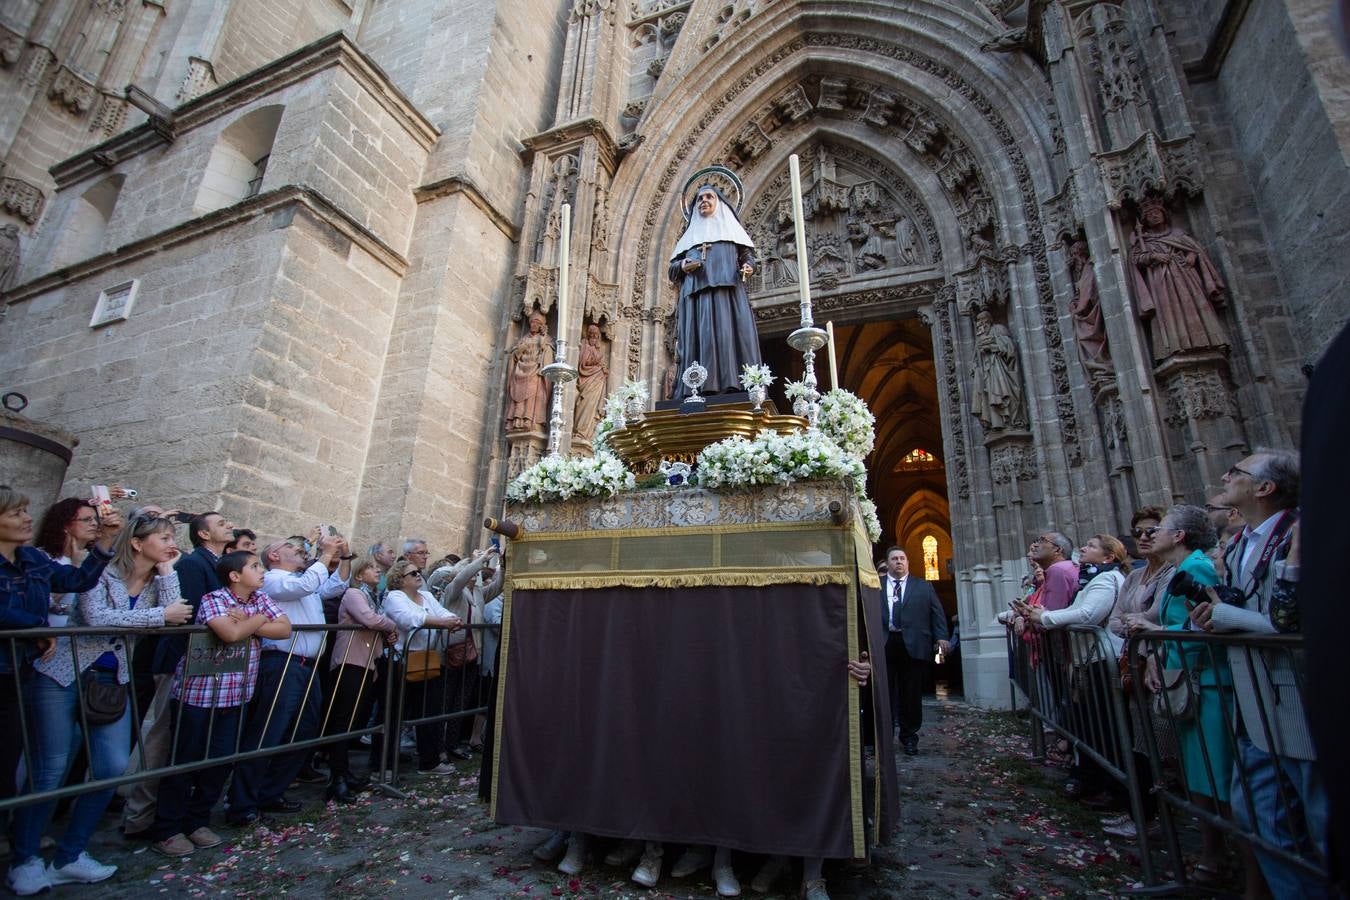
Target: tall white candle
pixel 564 259
pixel 799 225
pixel 834 368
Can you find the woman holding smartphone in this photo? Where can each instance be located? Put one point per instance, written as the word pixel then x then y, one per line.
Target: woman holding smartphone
pixel 137 589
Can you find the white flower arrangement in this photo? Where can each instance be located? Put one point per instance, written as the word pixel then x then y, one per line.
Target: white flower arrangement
pixel 773 458
pixel 565 477
pixel 632 392
pixel 603 429
pixel 796 390
pixel 845 418
pixel 755 376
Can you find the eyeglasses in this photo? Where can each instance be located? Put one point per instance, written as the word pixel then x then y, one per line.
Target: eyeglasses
pixel 1147 532
pixel 1234 471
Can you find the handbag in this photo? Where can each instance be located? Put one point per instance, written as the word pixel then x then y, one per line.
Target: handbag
pixel 1179 698
pixel 422 665
pixel 104 704
pixel 457 656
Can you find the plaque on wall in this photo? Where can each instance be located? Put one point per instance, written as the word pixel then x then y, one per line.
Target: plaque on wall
pixel 114 303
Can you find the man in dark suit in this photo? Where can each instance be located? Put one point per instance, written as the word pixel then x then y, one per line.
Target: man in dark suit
pixel 917 627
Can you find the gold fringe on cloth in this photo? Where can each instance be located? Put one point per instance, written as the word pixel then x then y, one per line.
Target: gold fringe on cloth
pixel 720 577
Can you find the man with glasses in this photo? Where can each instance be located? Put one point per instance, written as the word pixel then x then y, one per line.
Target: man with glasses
pixel 1276 789
pixel 1052 552
pixel 288 702
pixel 415 551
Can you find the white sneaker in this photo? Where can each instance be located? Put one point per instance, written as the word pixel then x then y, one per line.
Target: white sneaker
pixel 693 859
pixel 442 769
pixel 575 860
pixel 648 871
pixel 727 885
pixel 84 870
pixel 29 878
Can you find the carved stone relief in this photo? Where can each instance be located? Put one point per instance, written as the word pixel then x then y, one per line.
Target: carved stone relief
pixel 1012 461
pixel 10 253
pixel 1196 394
pixel 72 91
pixel 11 47
pixel 653 26
pixel 854 224
pixel 1151 165
pixel 883 109
pixel 954 436
pixel 200 78
pixel 559 188
pixel 21 199
pixel 844 301
pixel 111 116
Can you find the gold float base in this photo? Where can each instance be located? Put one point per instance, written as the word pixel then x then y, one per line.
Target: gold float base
pixel 680 437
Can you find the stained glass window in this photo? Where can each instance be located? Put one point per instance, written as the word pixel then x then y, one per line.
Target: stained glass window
pixel 930 558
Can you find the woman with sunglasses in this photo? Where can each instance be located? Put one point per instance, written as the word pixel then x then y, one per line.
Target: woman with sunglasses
pixel 1137 609
pixel 138 589
pixel 419 618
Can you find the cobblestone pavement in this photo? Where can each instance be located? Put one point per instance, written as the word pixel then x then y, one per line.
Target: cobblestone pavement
pixel 979 819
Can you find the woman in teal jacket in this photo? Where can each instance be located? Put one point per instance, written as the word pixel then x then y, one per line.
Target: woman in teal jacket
pixel 1205 739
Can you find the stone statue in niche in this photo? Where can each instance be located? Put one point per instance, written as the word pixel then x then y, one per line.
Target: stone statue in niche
pixel 1089 325
pixel 9 256
pixel 592 377
pixel 997 399
pixel 1175 284
pixel 527 389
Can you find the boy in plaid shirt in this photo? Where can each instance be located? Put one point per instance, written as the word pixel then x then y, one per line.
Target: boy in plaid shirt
pixel 212 704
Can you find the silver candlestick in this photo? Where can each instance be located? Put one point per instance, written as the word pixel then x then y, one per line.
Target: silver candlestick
pixel 808 339
pixel 558 372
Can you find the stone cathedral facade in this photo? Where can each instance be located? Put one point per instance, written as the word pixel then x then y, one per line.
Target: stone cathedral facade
pixel 279 257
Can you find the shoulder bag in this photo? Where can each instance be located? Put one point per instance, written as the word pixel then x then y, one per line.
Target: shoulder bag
pixel 104 704
pixel 457 656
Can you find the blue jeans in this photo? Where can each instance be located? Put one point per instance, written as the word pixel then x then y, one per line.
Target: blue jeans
pixel 55 721
pixel 186 798
pixel 1291 812
pixel 265 779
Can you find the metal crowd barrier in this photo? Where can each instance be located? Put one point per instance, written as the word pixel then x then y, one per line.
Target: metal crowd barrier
pixel 1170 761
pixel 1210 742
pixel 1069 679
pixel 211 656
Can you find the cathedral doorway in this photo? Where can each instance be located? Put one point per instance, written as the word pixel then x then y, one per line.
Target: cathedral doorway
pixel 889 364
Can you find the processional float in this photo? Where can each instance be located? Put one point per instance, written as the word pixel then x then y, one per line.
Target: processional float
pixel 673 661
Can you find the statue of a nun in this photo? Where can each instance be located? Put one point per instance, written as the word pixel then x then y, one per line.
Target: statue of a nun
pixel 711 262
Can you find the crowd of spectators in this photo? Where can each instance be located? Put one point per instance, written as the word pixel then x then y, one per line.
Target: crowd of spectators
pixel 139 697
pixel 1233 737
pixel 1240 749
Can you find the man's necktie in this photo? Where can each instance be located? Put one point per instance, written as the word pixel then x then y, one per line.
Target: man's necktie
pixel 895 608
